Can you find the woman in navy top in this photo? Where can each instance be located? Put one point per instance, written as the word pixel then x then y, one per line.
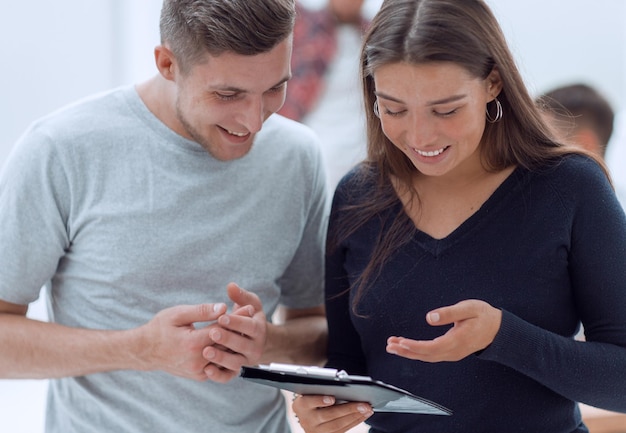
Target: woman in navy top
pixel 468 249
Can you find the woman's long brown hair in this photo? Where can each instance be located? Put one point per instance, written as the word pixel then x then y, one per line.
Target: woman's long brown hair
pixel 464 32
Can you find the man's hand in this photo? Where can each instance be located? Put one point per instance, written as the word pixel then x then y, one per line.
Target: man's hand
pixel 476 324
pixel 239 337
pixel 170 341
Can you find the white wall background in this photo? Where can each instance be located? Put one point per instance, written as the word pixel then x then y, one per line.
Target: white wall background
pixel 54 52
pixel 57 51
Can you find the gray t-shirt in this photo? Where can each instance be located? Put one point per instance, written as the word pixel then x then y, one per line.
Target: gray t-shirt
pixel 119 218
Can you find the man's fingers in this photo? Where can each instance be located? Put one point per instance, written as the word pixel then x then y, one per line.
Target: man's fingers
pixel 224 358
pixel 241 324
pixel 246 311
pixel 242 297
pixel 219 374
pixel 243 344
pixel 183 315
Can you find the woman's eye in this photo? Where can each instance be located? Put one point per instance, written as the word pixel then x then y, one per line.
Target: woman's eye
pixel 388 112
pixel 446 113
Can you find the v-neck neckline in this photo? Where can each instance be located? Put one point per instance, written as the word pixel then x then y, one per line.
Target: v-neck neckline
pixel 498 198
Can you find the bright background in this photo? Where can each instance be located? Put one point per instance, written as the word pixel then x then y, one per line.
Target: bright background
pixel 56 52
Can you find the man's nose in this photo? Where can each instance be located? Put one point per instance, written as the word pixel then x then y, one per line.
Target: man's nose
pixel 253 115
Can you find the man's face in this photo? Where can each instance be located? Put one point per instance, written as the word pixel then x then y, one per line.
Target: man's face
pixel 222 103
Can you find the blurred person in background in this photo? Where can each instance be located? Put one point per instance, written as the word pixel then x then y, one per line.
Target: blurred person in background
pixel 324 90
pixel 580 115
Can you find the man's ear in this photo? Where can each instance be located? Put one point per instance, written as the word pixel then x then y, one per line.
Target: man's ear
pixel 165 62
pixel 494 82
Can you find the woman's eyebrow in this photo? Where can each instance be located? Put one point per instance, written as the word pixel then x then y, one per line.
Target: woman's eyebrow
pixel 390 98
pixel 445 100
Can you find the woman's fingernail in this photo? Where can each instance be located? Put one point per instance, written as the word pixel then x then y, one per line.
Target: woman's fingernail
pixel 434 317
pixel 217 307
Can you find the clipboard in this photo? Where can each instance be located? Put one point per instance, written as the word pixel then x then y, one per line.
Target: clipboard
pixel 343 386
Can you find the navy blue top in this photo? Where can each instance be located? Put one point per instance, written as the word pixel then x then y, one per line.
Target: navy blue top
pixel 549 249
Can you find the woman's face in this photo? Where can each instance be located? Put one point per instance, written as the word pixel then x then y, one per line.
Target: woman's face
pixel 435 113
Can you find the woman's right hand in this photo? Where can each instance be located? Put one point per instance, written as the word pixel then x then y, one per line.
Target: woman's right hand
pixel 320 414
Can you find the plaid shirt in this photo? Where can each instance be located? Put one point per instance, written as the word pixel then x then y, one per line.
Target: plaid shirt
pixel 314 47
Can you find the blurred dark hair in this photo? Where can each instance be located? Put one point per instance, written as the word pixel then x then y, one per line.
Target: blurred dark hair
pixel 581 105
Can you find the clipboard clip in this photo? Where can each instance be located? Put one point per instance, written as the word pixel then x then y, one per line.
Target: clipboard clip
pixel 304 370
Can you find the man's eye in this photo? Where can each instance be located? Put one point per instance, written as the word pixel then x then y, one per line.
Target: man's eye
pixel 226 96
pixel 278 88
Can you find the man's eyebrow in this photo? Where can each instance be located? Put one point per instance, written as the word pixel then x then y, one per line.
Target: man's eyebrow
pixel 282 81
pixel 445 100
pixel 228 88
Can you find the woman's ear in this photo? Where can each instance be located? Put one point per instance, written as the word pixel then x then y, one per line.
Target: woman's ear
pixel 494 83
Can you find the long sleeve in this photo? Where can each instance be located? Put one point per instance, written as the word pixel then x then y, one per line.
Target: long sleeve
pixel 548 249
pixel 594 371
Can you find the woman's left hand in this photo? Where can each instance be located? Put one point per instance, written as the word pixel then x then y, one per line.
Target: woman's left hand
pixel 475 325
pixel 320 414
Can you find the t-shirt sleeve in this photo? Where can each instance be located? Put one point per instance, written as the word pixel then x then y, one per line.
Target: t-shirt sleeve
pixel 303 281
pixel 33 213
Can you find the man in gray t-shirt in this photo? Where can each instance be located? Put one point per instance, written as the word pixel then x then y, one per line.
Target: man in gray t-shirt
pixel 140 208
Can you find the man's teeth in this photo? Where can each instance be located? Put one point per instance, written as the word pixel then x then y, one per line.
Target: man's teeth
pixel 432 152
pixel 238 134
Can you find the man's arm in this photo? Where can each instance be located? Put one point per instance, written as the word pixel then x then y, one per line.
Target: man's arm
pixel 299 337
pixel 169 342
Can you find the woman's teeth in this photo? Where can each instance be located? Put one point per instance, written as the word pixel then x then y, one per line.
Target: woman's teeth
pixel 432 152
pixel 238 134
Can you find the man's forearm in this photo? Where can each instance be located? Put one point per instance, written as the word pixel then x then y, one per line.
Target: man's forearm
pixel 33 349
pixel 169 342
pixel 300 341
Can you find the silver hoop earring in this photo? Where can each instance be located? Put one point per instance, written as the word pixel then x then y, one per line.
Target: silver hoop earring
pixel 376 110
pixel 498 116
